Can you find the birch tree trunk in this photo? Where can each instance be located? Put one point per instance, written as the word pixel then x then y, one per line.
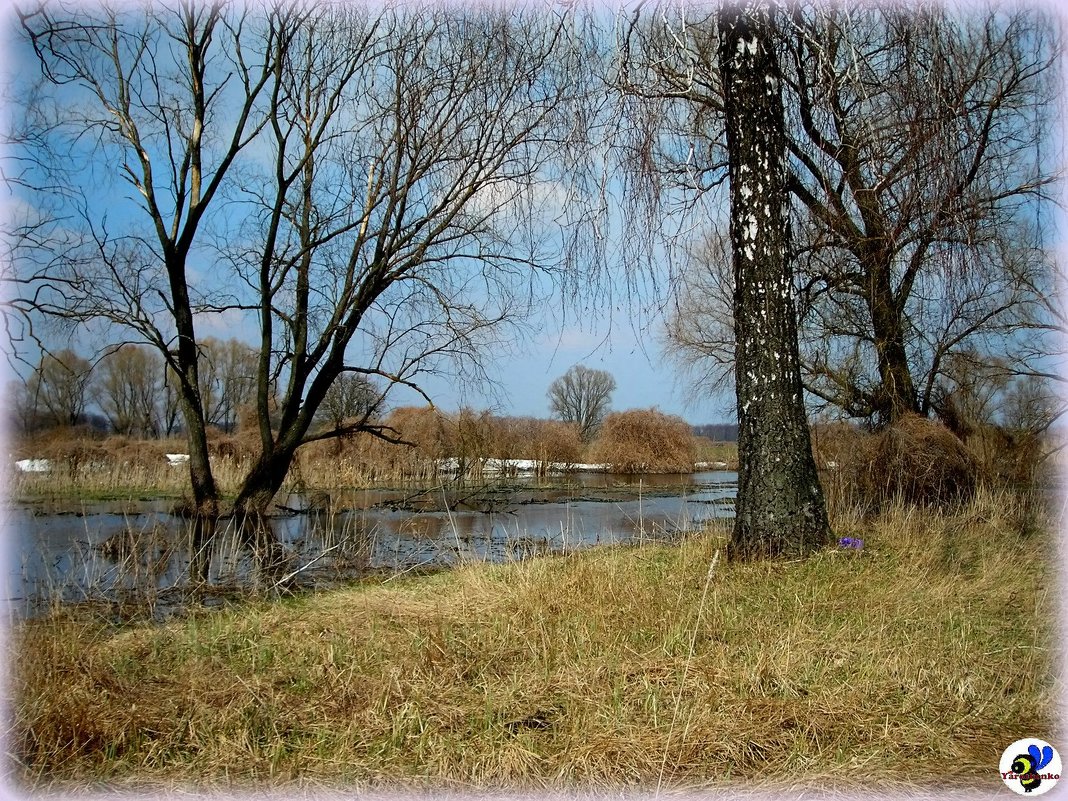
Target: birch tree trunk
pixel 780 506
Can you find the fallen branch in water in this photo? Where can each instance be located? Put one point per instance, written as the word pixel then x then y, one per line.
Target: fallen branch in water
pixel 299 570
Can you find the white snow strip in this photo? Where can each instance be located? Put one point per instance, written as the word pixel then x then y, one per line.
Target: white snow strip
pixel 34 465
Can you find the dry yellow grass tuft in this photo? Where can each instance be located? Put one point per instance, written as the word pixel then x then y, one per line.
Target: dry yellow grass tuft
pixel 914 662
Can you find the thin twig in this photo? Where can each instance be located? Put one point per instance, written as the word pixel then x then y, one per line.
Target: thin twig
pixel 299 570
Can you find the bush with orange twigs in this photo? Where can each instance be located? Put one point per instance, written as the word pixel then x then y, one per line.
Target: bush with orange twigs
pixel 644 441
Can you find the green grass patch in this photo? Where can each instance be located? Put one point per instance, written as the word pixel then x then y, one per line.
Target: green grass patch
pixel 913 662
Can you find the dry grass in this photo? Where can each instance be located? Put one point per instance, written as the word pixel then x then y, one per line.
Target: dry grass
pixel 913 662
pixel 117 467
pixel 115 478
pixel 707 450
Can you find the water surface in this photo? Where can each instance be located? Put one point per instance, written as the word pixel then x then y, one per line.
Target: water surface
pixel 140 551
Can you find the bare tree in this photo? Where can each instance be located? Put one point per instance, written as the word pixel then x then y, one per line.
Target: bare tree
pixel 22 416
pixel 920 173
pixel 703 91
pixel 582 396
pixel 349 397
pixel 395 210
pixel 916 158
pixel 156 102
pixel 698 330
pixel 1030 405
pixel 977 391
pixel 391 237
pixel 170 408
pixel 58 388
pixel 127 388
pixel 780 508
pixel 227 379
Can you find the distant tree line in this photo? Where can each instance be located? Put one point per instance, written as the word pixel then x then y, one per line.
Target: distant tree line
pixel 717 432
pixel 130 391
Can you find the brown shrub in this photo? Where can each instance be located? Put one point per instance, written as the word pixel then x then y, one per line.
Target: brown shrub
pixel 546 442
pixel 144 453
pixel 241 445
pixel 644 441
pixel 509 437
pixel 70 449
pixel 554 442
pixel 427 429
pixel 473 434
pixel 54 443
pixel 922 462
pixel 916 460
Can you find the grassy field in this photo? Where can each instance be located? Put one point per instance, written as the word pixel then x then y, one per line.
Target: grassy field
pixel 912 663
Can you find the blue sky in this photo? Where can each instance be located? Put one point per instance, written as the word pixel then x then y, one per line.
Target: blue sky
pixel 619 339
pixel 644 376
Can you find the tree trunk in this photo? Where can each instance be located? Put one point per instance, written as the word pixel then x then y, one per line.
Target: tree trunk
pixel 780 506
pixel 278 451
pixel 253 500
pixel 263 482
pixel 897 391
pixel 205 493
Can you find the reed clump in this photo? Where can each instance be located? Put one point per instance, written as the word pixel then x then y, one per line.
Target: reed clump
pixel 909 663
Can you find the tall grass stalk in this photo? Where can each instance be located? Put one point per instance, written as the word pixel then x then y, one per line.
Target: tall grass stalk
pixel 452 524
pixel 685 671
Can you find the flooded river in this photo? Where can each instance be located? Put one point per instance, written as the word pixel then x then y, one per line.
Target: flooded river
pixel 139 552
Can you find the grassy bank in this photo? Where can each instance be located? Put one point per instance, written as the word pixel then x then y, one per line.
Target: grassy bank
pixel 915 661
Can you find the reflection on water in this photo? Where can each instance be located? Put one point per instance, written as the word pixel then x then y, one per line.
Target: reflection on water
pixel 142 553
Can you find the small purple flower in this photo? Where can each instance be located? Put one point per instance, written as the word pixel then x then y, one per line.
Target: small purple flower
pixel 851 542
